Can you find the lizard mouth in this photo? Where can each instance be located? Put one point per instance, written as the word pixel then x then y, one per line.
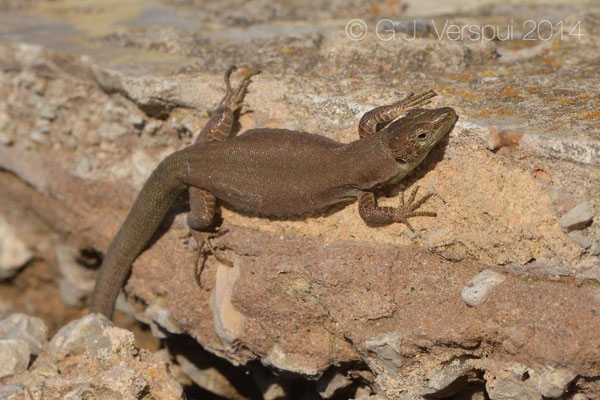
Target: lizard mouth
pixel 442 123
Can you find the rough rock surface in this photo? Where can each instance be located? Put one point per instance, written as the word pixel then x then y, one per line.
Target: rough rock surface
pixel 14 254
pixel 29 329
pixel 96 95
pixel 90 358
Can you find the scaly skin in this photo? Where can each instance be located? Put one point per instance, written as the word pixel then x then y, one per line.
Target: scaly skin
pixel 279 173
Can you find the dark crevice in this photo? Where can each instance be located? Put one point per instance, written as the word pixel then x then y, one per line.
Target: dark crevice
pixel 89 258
pixel 238 377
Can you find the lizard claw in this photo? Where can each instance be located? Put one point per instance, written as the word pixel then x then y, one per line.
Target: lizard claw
pixel 204 240
pixel 407 209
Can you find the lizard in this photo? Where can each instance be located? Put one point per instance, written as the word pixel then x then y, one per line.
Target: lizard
pixel 278 174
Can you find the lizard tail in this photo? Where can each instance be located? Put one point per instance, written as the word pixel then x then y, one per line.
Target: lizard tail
pixel 148 211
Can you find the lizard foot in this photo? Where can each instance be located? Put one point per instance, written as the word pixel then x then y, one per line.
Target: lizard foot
pixel 412 101
pixel 204 240
pixel 407 209
pixel 234 97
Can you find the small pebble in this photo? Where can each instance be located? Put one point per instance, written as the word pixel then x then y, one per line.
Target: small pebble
pixel 577 217
pixel 479 287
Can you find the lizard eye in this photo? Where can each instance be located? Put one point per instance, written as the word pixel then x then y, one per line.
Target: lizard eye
pixel 423 136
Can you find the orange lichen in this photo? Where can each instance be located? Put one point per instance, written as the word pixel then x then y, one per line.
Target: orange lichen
pixel 503 111
pixel 532 90
pixel 508 91
pixel 464 93
pixel 592 115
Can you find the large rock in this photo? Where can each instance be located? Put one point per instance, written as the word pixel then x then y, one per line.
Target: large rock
pixel 92 107
pixel 90 357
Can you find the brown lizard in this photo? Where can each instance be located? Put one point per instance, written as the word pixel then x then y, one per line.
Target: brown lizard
pixel 278 173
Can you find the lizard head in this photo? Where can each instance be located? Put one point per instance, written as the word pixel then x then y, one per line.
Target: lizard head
pixel 412 137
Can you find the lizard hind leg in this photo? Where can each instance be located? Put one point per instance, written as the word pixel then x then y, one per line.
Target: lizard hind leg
pixel 205 247
pixel 384 114
pixel 234 97
pixel 200 220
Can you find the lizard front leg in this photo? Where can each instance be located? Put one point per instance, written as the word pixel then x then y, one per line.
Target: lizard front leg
pixel 383 114
pixel 375 215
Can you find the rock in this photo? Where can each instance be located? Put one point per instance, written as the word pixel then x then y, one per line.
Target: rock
pixel 356 282
pixel 14 356
pixel 77 282
pixel 208 378
pixel 563 148
pixel 151 127
pixel 144 163
pixel 331 383
pixel 478 288
pixel 161 320
pixel 13 392
pixel 580 240
pixel 277 357
pixel 474 392
pixel 499 138
pixel 112 130
pixel 6 309
pixel 90 358
pixel 363 392
pixel 30 329
pixel 578 217
pixel 552 383
pixel 506 388
pixel 448 380
pixel 270 387
pixel 5 136
pixel 228 321
pixel 580 396
pixel 136 119
pixel 385 349
pixel 14 253
pixel 79 336
pixel 46 111
pixel 443 242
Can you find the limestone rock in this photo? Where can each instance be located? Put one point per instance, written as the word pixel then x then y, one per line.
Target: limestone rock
pixel 90 357
pixel 14 253
pixel 80 336
pixel 478 288
pixel 14 356
pixel 577 217
pixel 29 329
